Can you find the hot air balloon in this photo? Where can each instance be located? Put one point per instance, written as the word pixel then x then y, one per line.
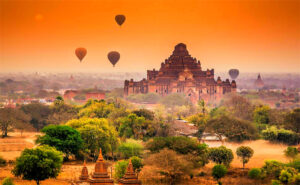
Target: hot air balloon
pixel 113 57
pixel 80 53
pixel 234 73
pixel 120 19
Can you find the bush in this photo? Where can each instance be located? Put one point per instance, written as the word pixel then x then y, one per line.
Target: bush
pixel 291 152
pixel 254 173
pixel 286 177
pixel 136 163
pixel 273 168
pixel 7 181
pixel 120 169
pixel 219 171
pixel 280 135
pixel 295 164
pixel 130 148
pixel 220 155
pixel 276 182
pixel 2 162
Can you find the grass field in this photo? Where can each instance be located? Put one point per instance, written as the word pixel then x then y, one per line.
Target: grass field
pixel 11 147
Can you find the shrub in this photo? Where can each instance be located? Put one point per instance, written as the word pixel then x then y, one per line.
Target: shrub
pixel 276 182
pixel 120 169
pixel 7 181
pixel 280 135
pixel 295 164
pixel 254 173
pixel 286 177
pixel 136 163
pixel 2 162
pixel 273 168
pixel 219 171
pixel 291 152
pixel 220 155
pixel 130 148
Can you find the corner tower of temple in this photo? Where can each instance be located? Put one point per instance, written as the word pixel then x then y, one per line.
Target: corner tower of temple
pixel 100 175
pixel 130 177
pixel 181 73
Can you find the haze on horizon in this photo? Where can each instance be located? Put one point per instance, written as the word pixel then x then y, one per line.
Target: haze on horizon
pixel 253 36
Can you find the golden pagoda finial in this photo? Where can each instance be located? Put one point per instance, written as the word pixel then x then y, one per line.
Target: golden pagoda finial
pixel 100 157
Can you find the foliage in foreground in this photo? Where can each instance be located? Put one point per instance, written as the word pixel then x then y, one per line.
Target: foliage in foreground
pixel 169 164
pixel 8 181
pixel 38 164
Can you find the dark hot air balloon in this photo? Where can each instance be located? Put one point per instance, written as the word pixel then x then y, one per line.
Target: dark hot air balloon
pixel 120 19
pixel 113 57
pixel 234 73
pixel 80 53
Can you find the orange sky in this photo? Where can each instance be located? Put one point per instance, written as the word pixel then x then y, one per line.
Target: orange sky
pixel 253 36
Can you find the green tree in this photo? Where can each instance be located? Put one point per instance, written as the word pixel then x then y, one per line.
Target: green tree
pixel 38 113
pixel 218 172
pixel 245 153
pixel 38 164
pixel 61 112
pixel 130 148
pixel 234 129
pixel 220 155
pixel 193 151
pixel 261 114
pixel 96 133
pixel 147 114
pixel 64 138
pixel 132 126
pixel 96 109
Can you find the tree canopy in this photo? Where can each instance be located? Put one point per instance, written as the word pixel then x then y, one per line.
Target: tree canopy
pixel 64 138
pixel 38 164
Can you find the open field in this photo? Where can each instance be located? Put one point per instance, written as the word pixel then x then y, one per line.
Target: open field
pixel 11 147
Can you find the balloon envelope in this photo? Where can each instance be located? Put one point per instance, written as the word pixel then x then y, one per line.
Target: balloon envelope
pixel 120 19
pixel 80 53
pixel 113 57
pixel 234 73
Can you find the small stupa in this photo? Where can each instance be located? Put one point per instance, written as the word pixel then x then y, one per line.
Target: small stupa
pixel 100 176
pixel 130 177
pixel 84 173
pixel 259 84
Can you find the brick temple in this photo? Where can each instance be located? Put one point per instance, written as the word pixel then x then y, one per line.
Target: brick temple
pixel 181 73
